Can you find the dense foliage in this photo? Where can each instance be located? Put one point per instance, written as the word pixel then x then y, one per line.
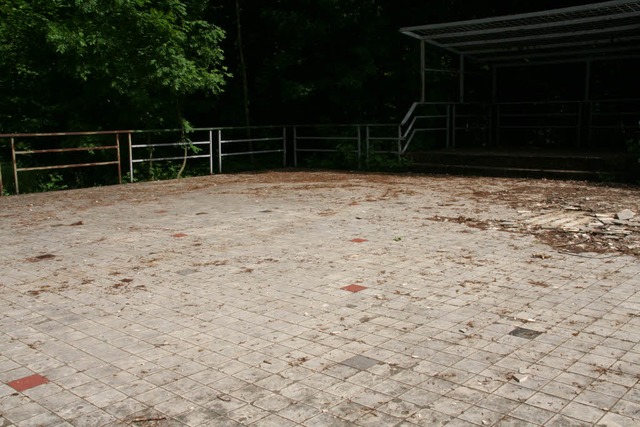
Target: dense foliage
pixel 91 64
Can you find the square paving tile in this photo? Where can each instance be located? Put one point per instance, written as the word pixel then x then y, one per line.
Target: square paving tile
pixel 360 362
pixel 26 383
pixel 245 322
pixel 525 333
pixel 354 288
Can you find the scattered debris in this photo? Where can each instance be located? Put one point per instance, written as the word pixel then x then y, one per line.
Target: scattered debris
pixel 538 283
pixel 520 377
pixel 148 420
pixel 224 398
pixel 299 361
pixel 42 257
pixel 625 215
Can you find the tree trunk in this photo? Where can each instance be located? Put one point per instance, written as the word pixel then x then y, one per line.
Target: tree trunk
pixel 243 67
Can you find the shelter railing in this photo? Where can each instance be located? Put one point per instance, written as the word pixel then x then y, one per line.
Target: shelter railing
pixel 430 125
pixel 562 124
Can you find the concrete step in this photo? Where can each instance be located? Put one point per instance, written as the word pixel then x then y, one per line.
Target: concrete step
pixel 555 165
pixel 508 171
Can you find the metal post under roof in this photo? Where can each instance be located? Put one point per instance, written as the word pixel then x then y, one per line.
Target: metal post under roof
pixel 590 33
pixel 574 34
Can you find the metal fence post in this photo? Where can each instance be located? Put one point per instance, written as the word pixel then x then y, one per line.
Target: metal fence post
pixel 1 187
pixel 284 146
pixel 15 165
pixel 399 143
pixel 219 150
pixel 359 147
pixel 130 156
pixel 448 131
pixel 119 159
pixel 210 152
pixel 1 184
pixel 498 125
pixel 453 127
pixel 295 147
pixel 367 146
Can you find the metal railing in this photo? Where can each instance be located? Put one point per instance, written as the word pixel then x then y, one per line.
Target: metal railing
pixel 577 122
pixel 16 152
pixel 383 139
pixel 346 139
pixel 359 141
pixel 263 144
pixel 609 117
pixel 151 147
pixel 445 123
pixel 555 117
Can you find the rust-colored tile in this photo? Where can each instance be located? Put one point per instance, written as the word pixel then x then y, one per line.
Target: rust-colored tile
pixel 359 240
pixel 354 288
pixel 26 383
pixel 178 235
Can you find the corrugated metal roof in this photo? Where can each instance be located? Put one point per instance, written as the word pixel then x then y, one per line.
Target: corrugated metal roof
pixel 593 30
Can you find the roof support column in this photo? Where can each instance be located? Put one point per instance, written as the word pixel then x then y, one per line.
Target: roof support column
pixel 461 78
pixel 585 111
pixel 423 76
pixel 494 121
pixel 587 80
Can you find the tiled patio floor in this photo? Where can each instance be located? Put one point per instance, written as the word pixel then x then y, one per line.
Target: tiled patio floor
pixel 225 301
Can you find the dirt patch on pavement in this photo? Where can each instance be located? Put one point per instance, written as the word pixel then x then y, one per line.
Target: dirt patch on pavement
pixel 570 216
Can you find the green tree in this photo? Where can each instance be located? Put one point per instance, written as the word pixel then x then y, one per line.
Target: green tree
pixel 80 64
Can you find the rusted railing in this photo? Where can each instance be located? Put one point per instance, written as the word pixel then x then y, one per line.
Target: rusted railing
pixel 15 153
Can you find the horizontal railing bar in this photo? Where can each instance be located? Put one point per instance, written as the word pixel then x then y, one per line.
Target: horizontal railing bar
pixel 240 127
pixel 382 138
pixel 78 165
pixel 328 138
pixel 64 150
pixel 170 144
pixel 330 126
pixel 199 156
pixel 539 115
pixel 252 152
pixel 622 113
pixel 47 134
pixel 538 127
pixel 321 150
pixel 614 127
pixel 275 138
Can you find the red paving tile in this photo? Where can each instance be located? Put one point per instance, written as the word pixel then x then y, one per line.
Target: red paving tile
pixel 178 235
pixel 359 240
pixel 26 383
pixel 354 288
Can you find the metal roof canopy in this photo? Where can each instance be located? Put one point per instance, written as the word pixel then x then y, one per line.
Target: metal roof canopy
pixel 581 33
